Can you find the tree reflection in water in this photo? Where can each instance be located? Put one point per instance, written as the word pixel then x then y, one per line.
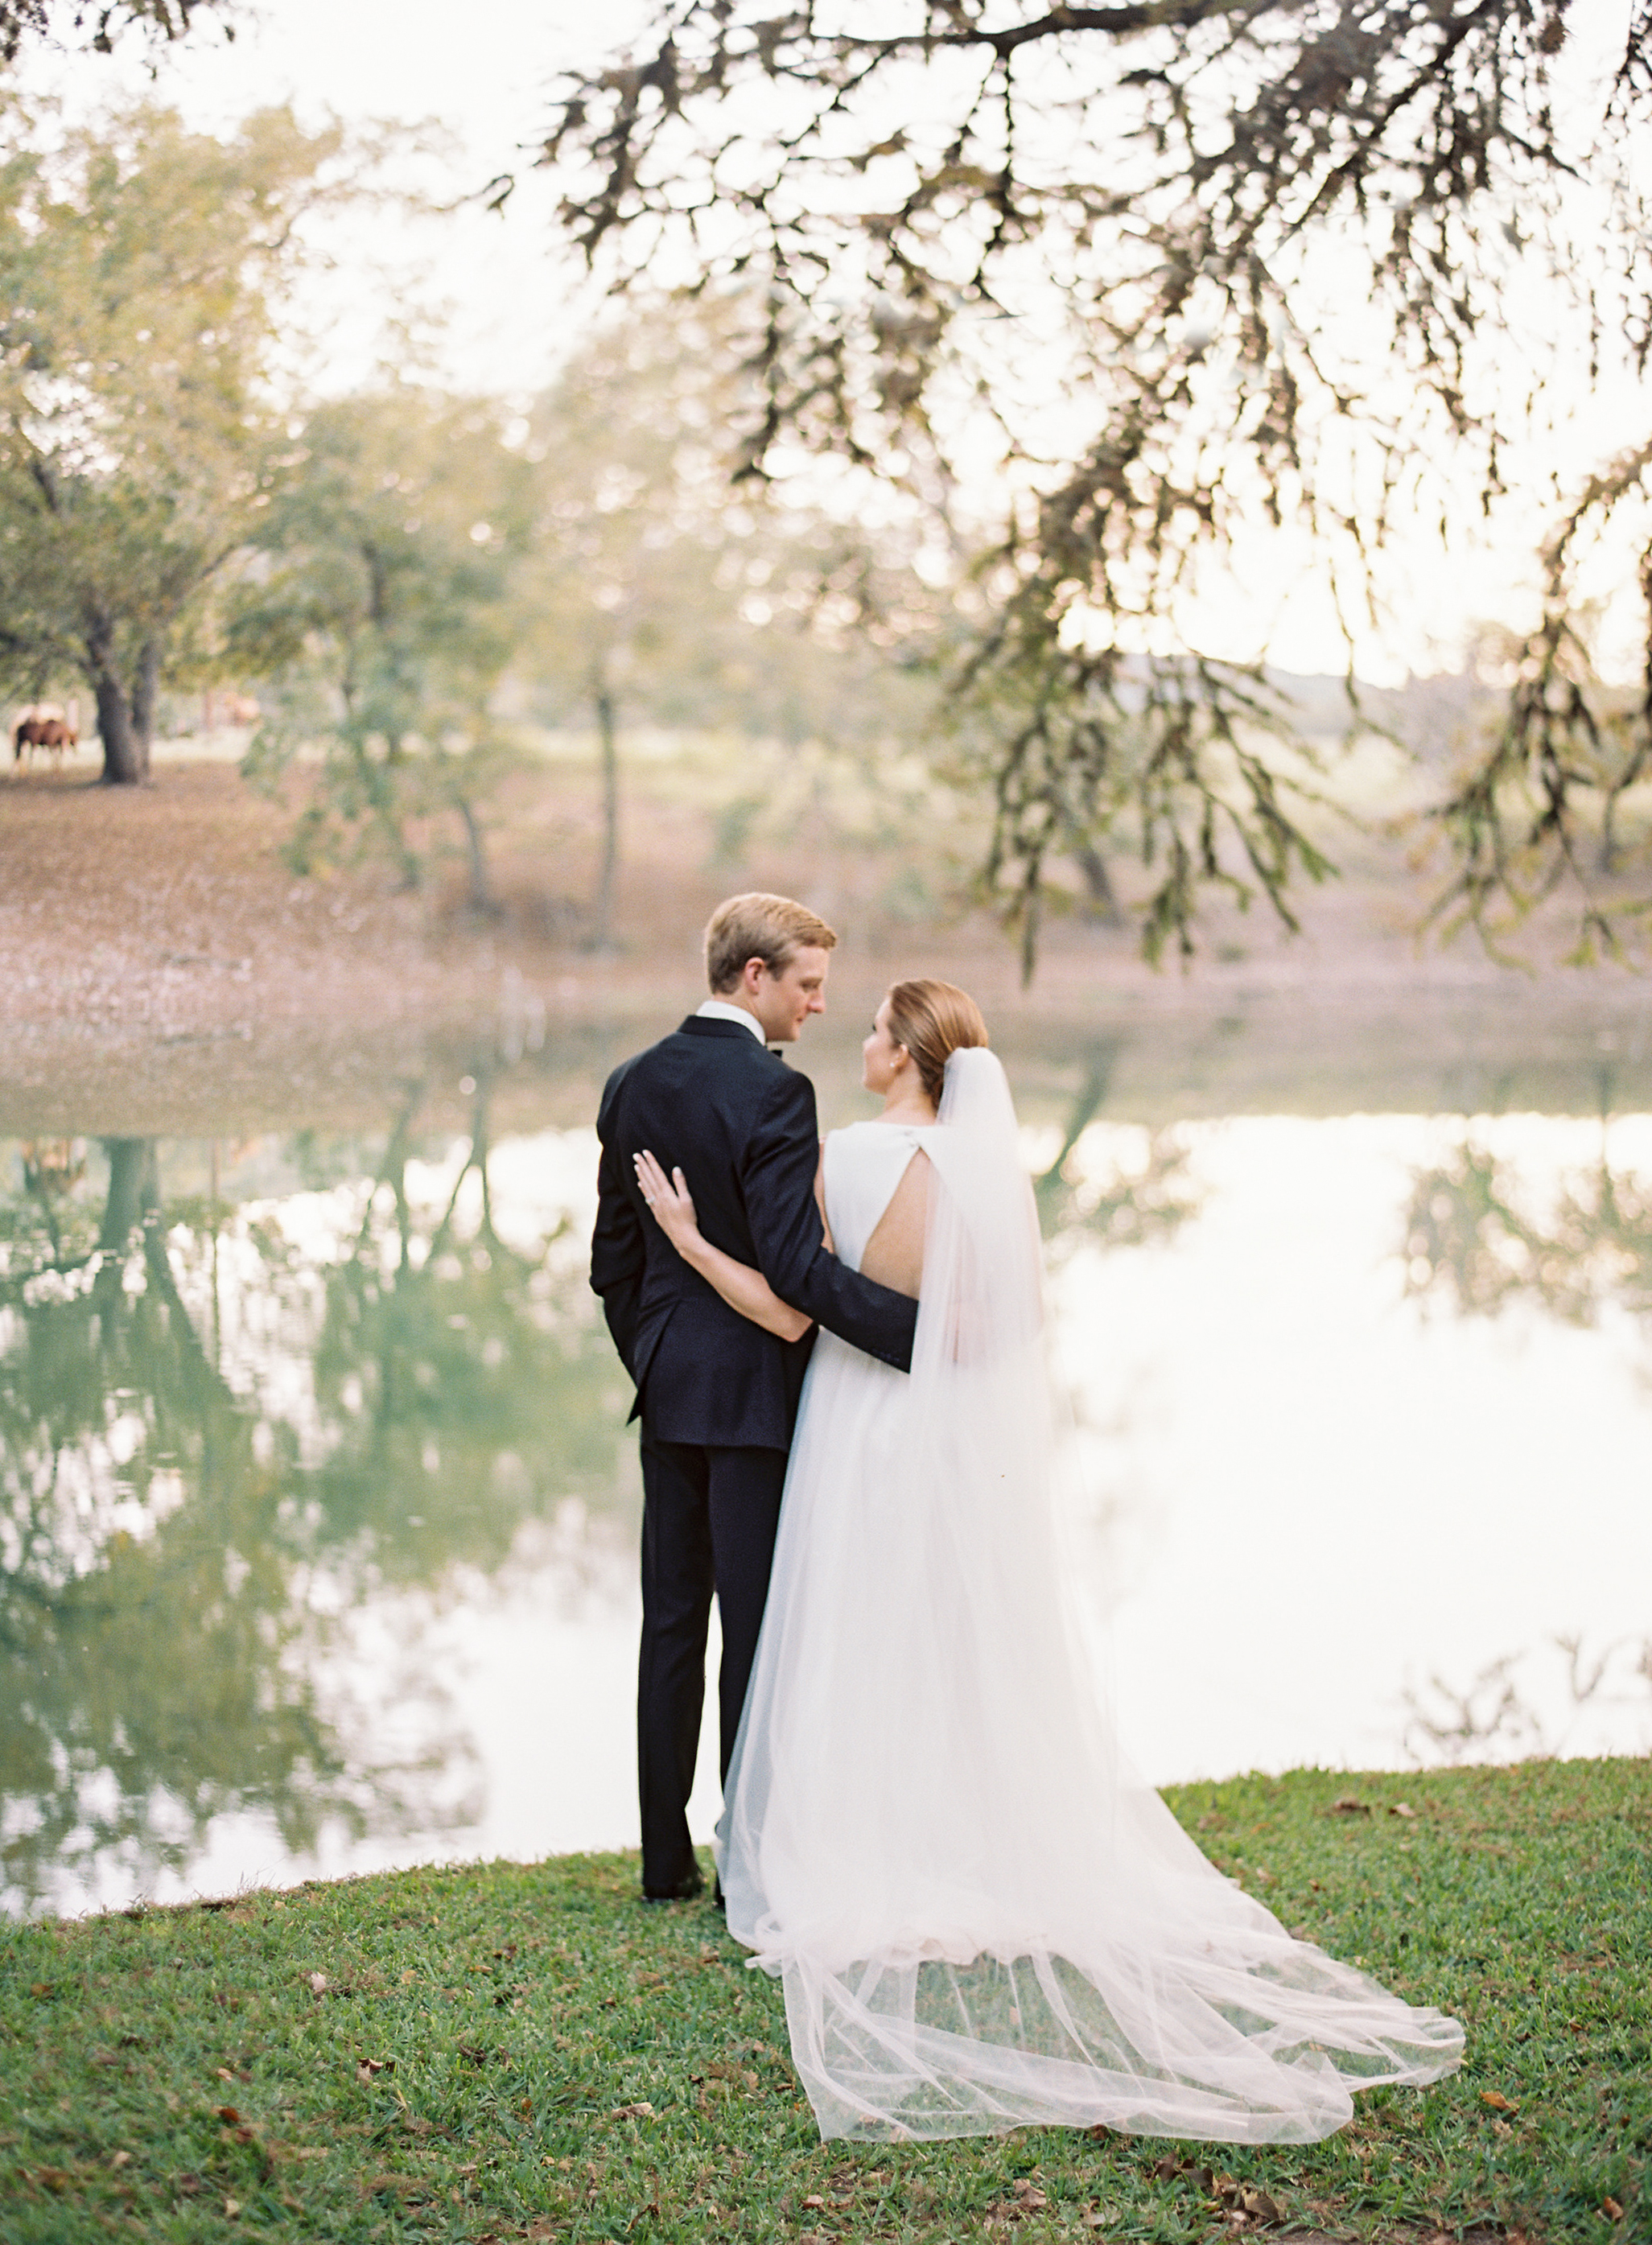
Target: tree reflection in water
pixel 1119 1207
pixel 1482 1236
pixel 223 1433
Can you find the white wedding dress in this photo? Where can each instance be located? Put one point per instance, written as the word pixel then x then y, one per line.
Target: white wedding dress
pixel 982 1918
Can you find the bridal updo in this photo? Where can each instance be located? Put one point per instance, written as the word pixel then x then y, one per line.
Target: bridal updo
pixel 933 1020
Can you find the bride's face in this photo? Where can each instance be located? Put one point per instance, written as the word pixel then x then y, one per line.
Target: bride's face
pixel 881 1059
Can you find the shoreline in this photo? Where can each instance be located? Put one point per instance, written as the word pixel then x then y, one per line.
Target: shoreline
pixel 162 970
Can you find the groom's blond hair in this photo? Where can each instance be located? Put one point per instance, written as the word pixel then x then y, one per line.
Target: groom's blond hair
pixel 757 926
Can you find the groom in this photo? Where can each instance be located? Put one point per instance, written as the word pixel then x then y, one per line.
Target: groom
pixel 717 1395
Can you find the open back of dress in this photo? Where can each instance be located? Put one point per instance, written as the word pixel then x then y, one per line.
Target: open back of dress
pixel 982 1919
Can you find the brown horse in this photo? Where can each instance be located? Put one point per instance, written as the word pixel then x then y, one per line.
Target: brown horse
pixel 48 733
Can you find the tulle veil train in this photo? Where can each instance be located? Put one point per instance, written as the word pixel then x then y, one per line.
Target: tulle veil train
pixel 981 1916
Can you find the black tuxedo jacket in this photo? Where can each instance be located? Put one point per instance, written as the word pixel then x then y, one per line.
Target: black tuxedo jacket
pixel 713 1100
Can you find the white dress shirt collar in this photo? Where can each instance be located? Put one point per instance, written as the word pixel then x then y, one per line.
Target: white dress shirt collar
pixel 715 1009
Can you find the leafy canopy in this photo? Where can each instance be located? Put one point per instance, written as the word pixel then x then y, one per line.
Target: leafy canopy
pixel 1155 274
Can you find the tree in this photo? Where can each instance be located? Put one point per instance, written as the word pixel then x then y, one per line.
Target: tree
pixel 658 594
pixel 1173 269
pixel 141 267
pixel 381 608
pixel 97 23
pixel 158 1492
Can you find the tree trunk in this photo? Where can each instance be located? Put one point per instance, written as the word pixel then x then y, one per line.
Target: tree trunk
pixel 145 693
pixel 608 742
pixel 1100 902
pixel 124 763
pixel 133 1191
pixel 483 901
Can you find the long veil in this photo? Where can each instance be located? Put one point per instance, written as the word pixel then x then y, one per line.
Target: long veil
pixel 981 1917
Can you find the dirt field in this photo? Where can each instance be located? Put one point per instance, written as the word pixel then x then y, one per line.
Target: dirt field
pixel 161 967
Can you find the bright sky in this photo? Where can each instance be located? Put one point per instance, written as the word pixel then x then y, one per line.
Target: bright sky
pixel 513 300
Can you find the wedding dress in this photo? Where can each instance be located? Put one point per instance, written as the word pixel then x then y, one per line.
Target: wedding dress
pixel 982 1918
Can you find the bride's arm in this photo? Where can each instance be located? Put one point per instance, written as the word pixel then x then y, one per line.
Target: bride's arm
pixel 742 1287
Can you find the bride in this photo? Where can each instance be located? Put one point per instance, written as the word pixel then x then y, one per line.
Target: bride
pixel 981 1916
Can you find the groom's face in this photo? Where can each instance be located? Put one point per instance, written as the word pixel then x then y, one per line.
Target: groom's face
pixel 783 1002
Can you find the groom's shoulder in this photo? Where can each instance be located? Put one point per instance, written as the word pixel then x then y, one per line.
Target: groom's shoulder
pixel 697 1046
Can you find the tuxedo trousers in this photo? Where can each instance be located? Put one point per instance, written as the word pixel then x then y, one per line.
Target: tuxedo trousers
pixel 708 1522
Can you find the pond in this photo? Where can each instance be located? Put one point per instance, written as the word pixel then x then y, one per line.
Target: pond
pixel 318 1515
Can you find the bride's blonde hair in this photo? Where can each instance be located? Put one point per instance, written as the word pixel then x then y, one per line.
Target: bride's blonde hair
pixel 933 1019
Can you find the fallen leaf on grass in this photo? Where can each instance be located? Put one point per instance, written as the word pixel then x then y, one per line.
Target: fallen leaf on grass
pixel 1349 1804
pixel 121 2160
pixel 367 2067
pixel 403 2185
pixel 53 2179
pixel 721 2070
pixel 1498 2102
pixel 639 2111
pixel 318 1984
pixel 232 2207
pixel 814 2205
pixel 541 2229
pixel 229 2116
pixel 41 1988
pixel 1401 1809
pixel 1258 2204
pixel 1612 2210
pixel 1029 2199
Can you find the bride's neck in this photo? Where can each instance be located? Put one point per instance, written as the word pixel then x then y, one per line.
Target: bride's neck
pixel 908 1104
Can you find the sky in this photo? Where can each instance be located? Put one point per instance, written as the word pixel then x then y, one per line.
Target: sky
pixel 510 303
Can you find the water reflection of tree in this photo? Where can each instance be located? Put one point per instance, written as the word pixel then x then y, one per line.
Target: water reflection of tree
pixel 1507 1714
pixel 1477 1232
pixel 1122 1207
pixel 165 1532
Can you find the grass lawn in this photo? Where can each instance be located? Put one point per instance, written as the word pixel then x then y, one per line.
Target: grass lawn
pixel 508 2052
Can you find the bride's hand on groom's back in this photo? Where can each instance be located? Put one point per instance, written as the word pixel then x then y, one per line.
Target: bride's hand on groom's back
pixel 669 1201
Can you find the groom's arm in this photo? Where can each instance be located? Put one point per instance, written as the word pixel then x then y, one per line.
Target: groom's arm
pixel 777 1179
pixel 617 1252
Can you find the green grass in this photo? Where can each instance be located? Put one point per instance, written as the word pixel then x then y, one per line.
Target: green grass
pixel 507 2053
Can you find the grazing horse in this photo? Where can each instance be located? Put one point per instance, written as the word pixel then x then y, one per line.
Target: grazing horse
pixel 48 733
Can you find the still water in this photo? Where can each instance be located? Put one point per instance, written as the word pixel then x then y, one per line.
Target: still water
pixel 318 1515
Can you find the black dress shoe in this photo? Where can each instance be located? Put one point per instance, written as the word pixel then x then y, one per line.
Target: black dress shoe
pixel 684 1890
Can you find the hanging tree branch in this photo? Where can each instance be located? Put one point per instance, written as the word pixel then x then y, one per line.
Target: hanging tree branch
pixel 1099 237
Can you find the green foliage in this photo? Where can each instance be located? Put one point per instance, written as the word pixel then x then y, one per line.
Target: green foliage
pixel 381 610
pixel 696 604
pixel 1174 756
pixel 500 2051
pixel 1536 809
pixel 1157 279
pixel 141 266
pixel 163 1487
